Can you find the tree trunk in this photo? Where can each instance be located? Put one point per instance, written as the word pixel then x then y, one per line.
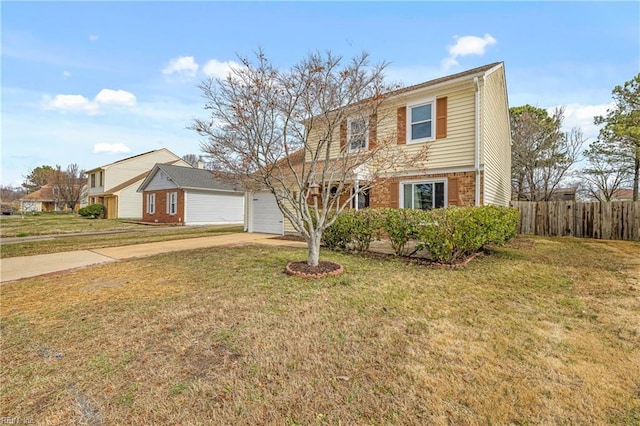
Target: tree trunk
pixel 313 244
pixel 636 177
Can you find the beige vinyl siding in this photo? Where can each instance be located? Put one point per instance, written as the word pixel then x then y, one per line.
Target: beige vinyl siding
pixel 456 150
pixel 119 172
pixel 130 202
pixel 496 140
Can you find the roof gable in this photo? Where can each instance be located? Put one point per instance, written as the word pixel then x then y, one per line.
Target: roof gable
pixel 133 158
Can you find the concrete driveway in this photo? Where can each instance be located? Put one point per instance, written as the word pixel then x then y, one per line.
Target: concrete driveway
pixel 15 268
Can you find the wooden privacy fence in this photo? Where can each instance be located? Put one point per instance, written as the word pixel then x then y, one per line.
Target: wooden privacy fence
pixel 615 220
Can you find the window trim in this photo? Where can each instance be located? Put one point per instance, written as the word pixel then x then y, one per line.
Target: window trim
pixel 93 180
pixel 419 103
pixel 172 203
pixel 366 133
pixel 151 203
pixel 445 181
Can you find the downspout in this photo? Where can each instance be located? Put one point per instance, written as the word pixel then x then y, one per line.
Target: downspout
pixel 476 165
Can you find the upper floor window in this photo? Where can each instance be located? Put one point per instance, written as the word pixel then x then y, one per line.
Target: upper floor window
pixel 421 123
pixel 93 180
pixel 357 134
pixel 423 195
pixel 100 178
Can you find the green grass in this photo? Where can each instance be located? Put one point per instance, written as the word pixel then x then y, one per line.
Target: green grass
pixel 544 331
pixel 54 224
pixel 134 236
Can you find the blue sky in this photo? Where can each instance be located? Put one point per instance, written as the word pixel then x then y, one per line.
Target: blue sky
pixel 94 82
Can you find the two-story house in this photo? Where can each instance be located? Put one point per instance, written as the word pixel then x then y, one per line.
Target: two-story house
pixel 463 120
pixel 115 185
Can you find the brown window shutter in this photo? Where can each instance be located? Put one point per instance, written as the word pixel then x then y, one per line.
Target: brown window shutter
pixel 343 135
pixel 453 194
pixel 402 125
pixel 441 118
pixel 373 131
pixel 394 197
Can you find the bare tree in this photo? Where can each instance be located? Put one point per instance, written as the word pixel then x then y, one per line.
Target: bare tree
pixel 606 172
pixel 287 130
pixel 191 159
pixel 68 185
pixel 542 155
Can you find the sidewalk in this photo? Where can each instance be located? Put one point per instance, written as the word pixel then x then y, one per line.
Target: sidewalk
pixel 15 268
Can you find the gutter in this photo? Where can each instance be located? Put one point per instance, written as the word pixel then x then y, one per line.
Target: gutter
pixel 476 166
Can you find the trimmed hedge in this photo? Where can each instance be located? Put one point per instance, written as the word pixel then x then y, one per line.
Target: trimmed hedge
pixel 444 235
pixel 92 211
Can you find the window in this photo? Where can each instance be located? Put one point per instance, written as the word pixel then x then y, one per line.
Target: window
pixel 172 202
pixel 151 203
pixel 100 179
pixel 93 180
pixel 357 134
pixel 423 195
pixel 361 201
pixel 421 126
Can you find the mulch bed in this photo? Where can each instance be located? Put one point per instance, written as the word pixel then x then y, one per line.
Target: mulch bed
pixel 304 270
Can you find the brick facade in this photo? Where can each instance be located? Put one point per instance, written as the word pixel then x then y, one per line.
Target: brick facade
pixel 381 195
pixel 161 215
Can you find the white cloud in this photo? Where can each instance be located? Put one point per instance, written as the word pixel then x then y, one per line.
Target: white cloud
pixel 70 103
pixel 467 45
pixel 581 116
pixel 115 97
pixel 183 65
pixel 110 148
pixel 215 68
pixel 93 37
pixel 66 74
pixel 80 103
pixel 471 45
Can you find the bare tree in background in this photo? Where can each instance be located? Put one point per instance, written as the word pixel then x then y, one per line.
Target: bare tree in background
pixel 607 170
pixel 542 155
pixel 191 159
pixel 68 185
pixel 286 131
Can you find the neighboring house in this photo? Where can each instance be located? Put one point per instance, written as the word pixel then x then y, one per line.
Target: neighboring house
pixel 462 118
pixel 557 194
pixel 46 199
pixel 115 185
pixel 623 195
pixel 41 200
pixel 189 196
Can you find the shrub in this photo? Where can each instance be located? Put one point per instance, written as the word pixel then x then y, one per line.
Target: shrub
pixel 353 229
pixel 401 226
pixel 92 211
pixel 338 235
pixel 452 234
pixel 365 227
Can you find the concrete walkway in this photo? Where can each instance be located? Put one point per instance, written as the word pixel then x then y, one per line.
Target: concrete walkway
pixel 15 268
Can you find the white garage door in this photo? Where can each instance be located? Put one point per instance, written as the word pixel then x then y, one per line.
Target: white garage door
pixel 208 208
pixel 265 217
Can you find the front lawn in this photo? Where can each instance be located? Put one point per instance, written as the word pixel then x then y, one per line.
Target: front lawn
pixel 54 224
pixel 543 331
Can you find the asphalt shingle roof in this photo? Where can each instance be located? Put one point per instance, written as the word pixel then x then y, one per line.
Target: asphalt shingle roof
pixel 191 178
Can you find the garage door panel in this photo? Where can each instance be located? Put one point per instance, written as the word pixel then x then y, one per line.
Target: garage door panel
pixel 266 217
pixel 214 208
